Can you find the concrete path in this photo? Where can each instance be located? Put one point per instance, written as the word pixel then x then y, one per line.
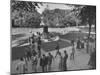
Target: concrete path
pixel 80 61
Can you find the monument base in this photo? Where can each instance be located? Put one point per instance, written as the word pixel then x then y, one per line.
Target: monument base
pixel 49 37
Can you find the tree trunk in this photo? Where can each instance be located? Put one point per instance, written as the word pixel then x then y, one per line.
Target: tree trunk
pixel 89 37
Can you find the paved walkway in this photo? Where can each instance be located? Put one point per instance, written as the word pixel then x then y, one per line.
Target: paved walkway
pixel 80 61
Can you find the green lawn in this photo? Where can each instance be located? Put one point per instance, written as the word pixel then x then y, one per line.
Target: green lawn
pixel 74 35
pixel 18 52
pixel 16 36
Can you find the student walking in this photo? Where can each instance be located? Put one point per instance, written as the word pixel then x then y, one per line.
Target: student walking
pixel 34 63
pixel 39 50
pixel 46 63
pixel 30 42
pixel 57 48
pixel 65 61
pixel 39 46
pixel 43 63
pixel 78 44
pixel 60 62
pixel 50 59
pixel 72 55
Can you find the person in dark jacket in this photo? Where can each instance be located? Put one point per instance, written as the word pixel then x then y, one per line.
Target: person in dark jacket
pixel 39 51
pixel 65 61
pixel 82 44
pixel 39 46
pixel 43 63
pixel 60 62
pixel 50 59
pixel 78 44
pixel 46 63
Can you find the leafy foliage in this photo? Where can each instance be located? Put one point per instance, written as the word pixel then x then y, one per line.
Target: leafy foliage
pixel 25 5
pixel 24 14
pixel 59 17
pixel 88 14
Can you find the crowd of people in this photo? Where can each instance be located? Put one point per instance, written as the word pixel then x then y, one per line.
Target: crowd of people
pixel 45 60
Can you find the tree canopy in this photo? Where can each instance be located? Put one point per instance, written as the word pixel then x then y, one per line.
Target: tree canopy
pixel 24 14
pixel 59 17
pixel 88 14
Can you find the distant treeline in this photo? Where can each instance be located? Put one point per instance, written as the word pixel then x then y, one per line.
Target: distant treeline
pixel 25 14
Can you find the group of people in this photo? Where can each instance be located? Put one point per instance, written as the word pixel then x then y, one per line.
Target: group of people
pixel 43 61
pixel 80 44
pixel 60 61
pixel 32 53
pixel 39 60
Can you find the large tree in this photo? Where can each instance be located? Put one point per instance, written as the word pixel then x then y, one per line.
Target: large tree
pixel 24 14
pixel 25 5
pixel 59 17
pixel 88 16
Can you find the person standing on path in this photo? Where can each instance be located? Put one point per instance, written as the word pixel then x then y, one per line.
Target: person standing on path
pixel 72 55
pixel 65 61
pixel 57 48
pixel 50 59
pixel 46 63
pixel 78 44
pixel 60 62
pixel 30 39
pixel 43 63
pixel 39 46
pixel 34 63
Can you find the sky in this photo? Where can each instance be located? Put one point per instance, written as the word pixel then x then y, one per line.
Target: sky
pixel 52 6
